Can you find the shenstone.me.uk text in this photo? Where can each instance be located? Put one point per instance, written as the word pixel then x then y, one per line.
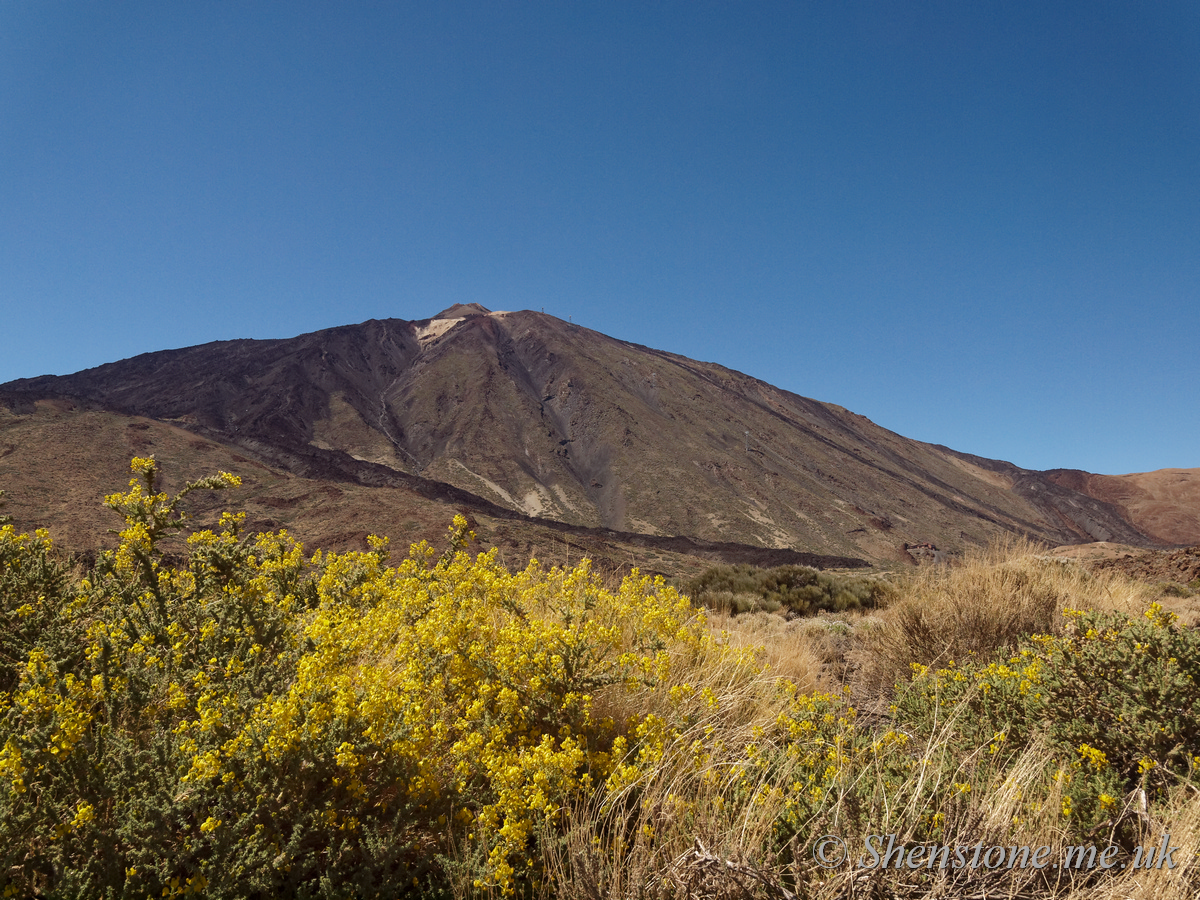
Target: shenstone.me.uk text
pixel 884 852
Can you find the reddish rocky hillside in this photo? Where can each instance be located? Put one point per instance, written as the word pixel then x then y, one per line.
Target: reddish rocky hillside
pixel 1165 505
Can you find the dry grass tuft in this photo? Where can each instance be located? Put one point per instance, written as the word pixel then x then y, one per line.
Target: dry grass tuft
pixel 979 608
pixel 783 644
pixel 1182 823
pixel 636 843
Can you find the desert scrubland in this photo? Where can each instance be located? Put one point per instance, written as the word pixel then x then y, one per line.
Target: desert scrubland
pixel 203 711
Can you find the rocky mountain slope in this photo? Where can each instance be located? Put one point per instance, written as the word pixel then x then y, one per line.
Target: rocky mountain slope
pixel 553 422
pixel 1164 505
pixel 59 458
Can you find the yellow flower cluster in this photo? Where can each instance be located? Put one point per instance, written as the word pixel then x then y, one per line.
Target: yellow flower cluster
pixel 1096 758
pixel 59 708
pixel 476 685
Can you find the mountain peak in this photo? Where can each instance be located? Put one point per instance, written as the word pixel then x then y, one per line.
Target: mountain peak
pixel 568 425
pixel 462 310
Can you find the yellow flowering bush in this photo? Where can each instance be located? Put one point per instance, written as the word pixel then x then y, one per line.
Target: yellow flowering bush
pixel 38 604
pixel 1137 678
pixel 249 720
pixel 148 664
pixel 463 693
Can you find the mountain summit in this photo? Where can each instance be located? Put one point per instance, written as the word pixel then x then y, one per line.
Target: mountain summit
pixel 462 310
pixel 555 421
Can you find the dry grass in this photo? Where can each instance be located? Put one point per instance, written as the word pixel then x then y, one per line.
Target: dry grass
pixel 684 838
pixel 637 843
pixel 816 653
pixel 976 609
pixel 1182 823
pixel 682 833
pixel 981 607
pixel 785 647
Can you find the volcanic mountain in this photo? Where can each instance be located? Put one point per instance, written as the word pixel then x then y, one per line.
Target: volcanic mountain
pixel 550 422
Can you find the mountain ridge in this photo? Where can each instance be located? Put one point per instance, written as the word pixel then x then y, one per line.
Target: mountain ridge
pixel 554 421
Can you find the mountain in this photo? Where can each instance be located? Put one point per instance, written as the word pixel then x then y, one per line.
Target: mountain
pixel 528 416
pixel 58 457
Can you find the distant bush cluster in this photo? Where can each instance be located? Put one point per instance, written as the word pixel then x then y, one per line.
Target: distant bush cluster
pixel 1178 589
pixel 799 590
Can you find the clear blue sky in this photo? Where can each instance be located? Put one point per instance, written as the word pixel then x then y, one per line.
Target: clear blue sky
pixel 976 223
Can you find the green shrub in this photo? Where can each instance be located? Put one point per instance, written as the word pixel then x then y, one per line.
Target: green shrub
pixel 1119 696
pixel 1175 589
pixel 40 607
pixel 798 589
pixel 1136 682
